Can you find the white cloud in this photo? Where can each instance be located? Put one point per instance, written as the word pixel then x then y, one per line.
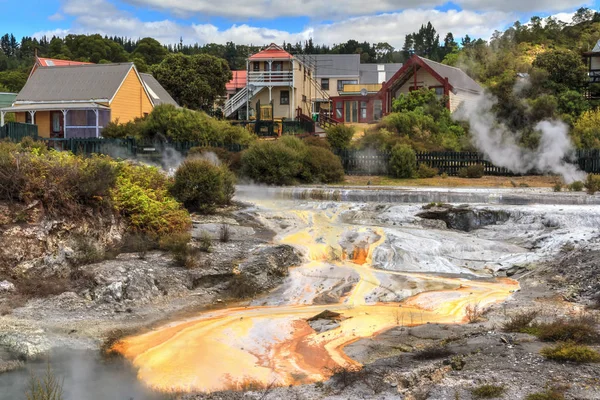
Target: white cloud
pixel 99 16
pixel 56 17
pixel 324 10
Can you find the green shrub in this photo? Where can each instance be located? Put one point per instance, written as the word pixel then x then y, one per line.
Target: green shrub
pixel 178 244
pixel 322 166
pixel 570 351
pixel 576 186
pixel 472 171
pixel 592 183
pixel 142 197
pixel 520 322
pixel 272 162
pixel 488 391
pixel 425 171
pixel 403 161
pixel 340 136
pixel 557 187
pixel 202 186
pixel 580 329
pixel 317 142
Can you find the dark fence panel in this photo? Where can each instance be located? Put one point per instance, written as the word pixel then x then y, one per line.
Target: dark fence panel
pixel 16 131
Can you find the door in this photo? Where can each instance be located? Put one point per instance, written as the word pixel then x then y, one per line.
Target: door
pixel 57 127
pixel 351 111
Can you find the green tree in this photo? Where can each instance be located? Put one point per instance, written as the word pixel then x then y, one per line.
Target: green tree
pixel 586 132
pixel 193 81
pixel 150 50
pixel 565 68
pixel 340 136
pixel 403 161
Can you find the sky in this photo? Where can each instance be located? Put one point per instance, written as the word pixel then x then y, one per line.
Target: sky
pixel 261 22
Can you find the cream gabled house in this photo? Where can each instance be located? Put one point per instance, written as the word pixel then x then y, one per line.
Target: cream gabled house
pixel 273 76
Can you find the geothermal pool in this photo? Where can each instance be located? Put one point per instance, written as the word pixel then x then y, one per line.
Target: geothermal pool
pixel 377 265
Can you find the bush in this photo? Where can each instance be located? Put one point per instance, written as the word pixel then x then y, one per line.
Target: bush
pixel 403 161
pixel 202 186
pixel 488 391
pixel 576 186
pixel 557 187
pixel 581 329
pixel 340 136
pixel 179 247
pixel 142 197
pixel 472 171
pixel 592 183
pixel 474 313
pixel 322 166
pixel 224 233
pixel 317 142
pixel 520 322
pixel 569 351
pixel 425 171
pixel 272 162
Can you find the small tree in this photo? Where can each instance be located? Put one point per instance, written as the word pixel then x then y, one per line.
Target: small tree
pixel 46 388
pixel 403 161
pixel 202 186
pixel 340 136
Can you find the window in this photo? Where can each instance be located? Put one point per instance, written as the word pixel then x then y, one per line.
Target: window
pixel 267 66
pixel 340 84
pixel 377 110
pixel 56 122
pixel 339 110
pixel 284 97
pixel 256 66
pixel 325 83
pixel 363 110
pixel 304 98
pixel 28 117
pixel 439 92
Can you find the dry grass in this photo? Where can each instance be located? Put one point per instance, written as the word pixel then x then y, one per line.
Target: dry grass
pixel 571 352
pixel 46 388
pixel 474 313
pixel 488 391
pixel 453 181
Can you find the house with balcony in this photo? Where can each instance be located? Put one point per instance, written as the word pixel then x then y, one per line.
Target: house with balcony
pixel 369 103
pixel 78 101
pixel 277 84
pixel 592 61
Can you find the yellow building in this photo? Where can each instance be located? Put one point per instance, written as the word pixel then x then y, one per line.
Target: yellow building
pixel 80 100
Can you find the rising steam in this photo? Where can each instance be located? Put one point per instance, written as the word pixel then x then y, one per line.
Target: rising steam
pixel 501 145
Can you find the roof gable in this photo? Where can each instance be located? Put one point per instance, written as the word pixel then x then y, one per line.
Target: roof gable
pixel 457 78
pixel 74 83
pixel 272 51
pixel 52 62
pixel 238 81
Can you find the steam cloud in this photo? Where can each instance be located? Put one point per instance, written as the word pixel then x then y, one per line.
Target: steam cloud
pixel 501 145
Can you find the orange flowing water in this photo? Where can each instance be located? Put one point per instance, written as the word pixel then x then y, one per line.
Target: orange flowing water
pixel 257 346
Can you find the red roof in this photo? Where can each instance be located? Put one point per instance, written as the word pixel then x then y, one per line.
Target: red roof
pixel 272 51
pixel 238 81
pixel 51 62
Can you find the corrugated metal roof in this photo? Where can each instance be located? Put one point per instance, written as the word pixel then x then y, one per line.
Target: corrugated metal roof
pixel 272 51
pixel 55 106
pixel 157 93
pixel 74 83
pixel 52 62
pixel 332 65
pixel 456 77
pixel 6 99
pixel 369 73
pixel 238 81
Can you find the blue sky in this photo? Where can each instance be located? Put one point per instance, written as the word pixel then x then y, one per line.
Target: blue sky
pixel 265 21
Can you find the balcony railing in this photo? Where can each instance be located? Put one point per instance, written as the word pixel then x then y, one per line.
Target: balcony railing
pixel 594 75
pixel 270 78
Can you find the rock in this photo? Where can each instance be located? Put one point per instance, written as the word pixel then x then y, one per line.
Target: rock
pixel 267 267
pixel 6 286
pixel 11 365
pixel 26 347
pixel 323 325
pixel 464 218
pixel 515 269
pixel 327 315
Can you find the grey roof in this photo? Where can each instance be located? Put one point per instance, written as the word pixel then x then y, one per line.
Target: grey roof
pixel 332 65
pixel 157 93
pixel 596 48
pixel 369 72
pixel 53 106
pixel 456 76
pixel 74 83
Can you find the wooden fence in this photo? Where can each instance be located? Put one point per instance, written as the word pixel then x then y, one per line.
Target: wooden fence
pixel 17 131
pixel 368 162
